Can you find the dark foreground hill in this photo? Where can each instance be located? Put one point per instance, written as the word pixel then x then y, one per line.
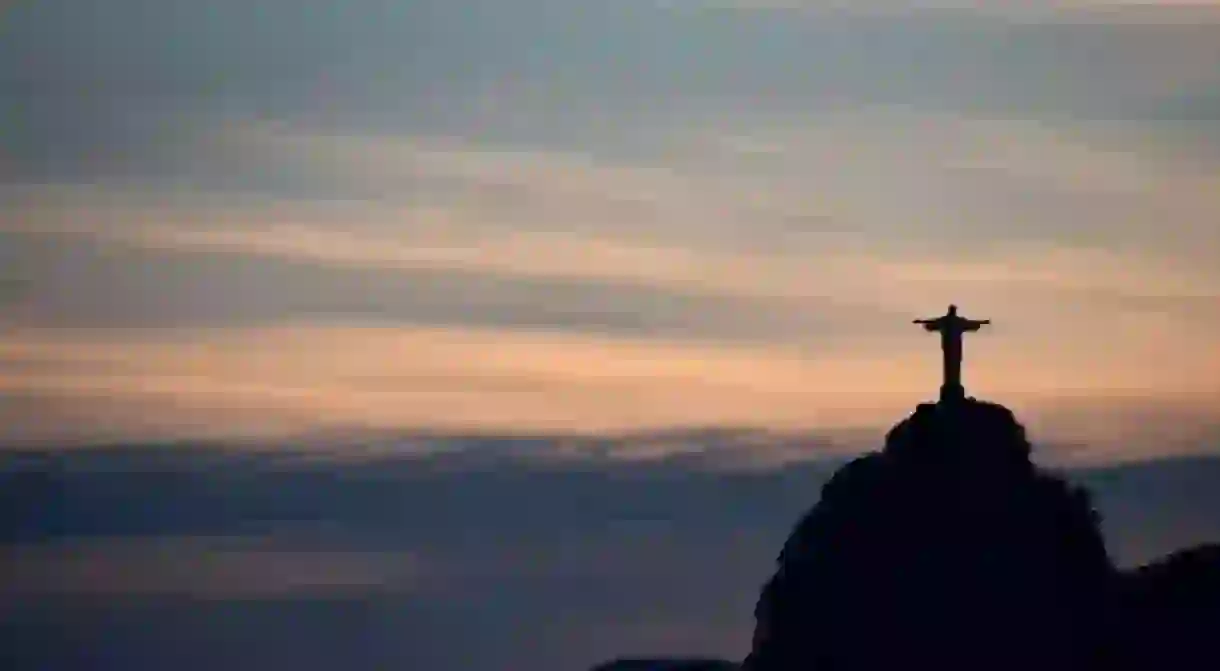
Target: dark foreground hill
pixel 950 549
pixel 947 548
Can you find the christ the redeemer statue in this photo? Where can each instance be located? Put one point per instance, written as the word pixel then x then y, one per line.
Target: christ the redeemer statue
pixel 951 327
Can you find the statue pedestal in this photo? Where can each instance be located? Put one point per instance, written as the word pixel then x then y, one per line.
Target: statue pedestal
pixel 952 393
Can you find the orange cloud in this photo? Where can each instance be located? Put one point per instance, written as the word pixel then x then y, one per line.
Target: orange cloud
pixel 1093 303
pixel 260 382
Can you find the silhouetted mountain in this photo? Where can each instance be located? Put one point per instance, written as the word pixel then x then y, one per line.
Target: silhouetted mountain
pixel 948 549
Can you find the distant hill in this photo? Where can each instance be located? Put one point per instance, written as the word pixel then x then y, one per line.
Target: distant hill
pixel 668 665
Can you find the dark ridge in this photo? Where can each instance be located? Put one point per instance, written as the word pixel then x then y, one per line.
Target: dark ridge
pixel 950 549
pixel 1170 611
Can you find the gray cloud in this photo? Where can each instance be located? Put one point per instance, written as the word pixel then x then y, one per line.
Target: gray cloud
pixel 81 283
pixel 116 93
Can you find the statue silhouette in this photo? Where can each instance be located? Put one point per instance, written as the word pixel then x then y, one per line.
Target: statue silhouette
pixel 951 328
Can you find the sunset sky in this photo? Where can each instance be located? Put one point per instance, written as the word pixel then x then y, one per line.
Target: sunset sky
pixel 417 235
pixel 280 218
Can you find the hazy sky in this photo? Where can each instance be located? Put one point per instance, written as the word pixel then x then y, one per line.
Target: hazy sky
pixel 267 217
